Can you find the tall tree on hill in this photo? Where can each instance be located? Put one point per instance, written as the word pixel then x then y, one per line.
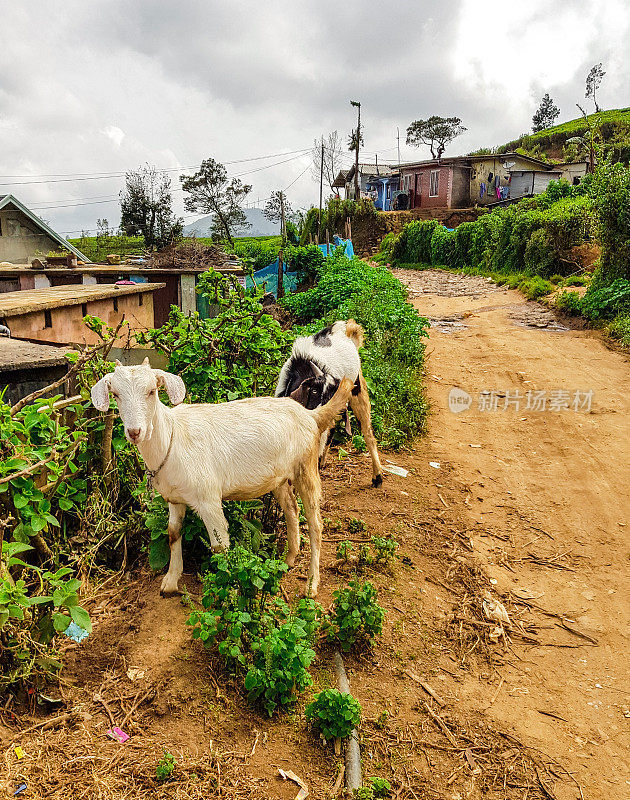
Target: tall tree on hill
pixel 593 82
pixel 210 192
pixel 436 133
pixel 333 157
pixel 546 115
pixel 277 209
pixel 146 207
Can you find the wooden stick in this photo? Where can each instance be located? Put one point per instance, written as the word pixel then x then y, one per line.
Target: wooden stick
pixel 441 724
pixel 426 688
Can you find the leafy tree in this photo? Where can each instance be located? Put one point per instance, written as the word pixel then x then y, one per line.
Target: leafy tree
pixel 436 133
pixel 277 209
pixel 333 157
pixel 209 192
pixel 593 82
pixel 546 114
pixel 146 207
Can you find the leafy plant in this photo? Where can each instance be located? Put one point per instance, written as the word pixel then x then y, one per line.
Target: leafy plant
pixel 334 714
pixel 356 618
pixel 377 788
pixel 385 548
pixel 344 549
pixel 165 766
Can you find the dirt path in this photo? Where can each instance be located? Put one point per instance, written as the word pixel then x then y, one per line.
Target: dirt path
pixel 547 495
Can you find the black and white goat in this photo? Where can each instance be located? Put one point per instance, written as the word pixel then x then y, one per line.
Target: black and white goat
pixel 313 372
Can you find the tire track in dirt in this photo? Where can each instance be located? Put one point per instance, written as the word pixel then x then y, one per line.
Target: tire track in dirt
pixel 549 503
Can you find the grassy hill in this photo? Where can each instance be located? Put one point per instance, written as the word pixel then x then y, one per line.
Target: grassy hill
pixel 551 143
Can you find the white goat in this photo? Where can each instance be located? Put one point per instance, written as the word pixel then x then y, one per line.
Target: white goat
pixel 313 372
pixel 200 454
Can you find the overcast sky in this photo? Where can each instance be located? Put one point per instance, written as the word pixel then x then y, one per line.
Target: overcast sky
pixel 105 85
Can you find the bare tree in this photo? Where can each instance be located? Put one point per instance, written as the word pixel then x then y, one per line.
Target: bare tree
pixel 593 82
pixel 146 207
pixel 333 157
pixel 436 133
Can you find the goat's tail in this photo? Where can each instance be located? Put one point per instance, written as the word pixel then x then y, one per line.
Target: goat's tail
pixel 325 415
pixel 355 332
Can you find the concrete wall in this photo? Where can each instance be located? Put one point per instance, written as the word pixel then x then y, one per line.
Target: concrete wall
pixel 420 186
pixel 482 166
pixel 66 323
pixel 20 240
pixel 460 188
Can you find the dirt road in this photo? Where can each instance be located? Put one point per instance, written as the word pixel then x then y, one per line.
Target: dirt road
pixel 545 496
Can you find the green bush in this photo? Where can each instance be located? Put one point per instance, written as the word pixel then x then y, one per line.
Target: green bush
pixel 307 261
pixel 334 714
pixel 619 329
pixel 535 287
pixel 260 252
pixel 165 766
pixel 612 200
pixel 254 631
pixel 539 255
pixel 569 303
pixel 603 301
pixel 443 251
pixel 413 245
pixel 357 618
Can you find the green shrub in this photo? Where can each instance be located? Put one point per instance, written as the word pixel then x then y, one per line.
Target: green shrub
pixel 386 248
pixel 535 287
pixel 569 303
pixel 443 251
pixel 413 245
pixel 378 788
pixel 356 618
pixel 612 200
pixel 344 549
pixel 306 261
pixel 607 301
pixel 334 714
pixel 619 329
pixel 385 548
pixel 260 252
pixel 539 256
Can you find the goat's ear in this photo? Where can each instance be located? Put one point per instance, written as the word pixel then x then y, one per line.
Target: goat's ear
pixel 118 363
pixel 301 394
pixel 100 394
pixel 174 385
pixel 146 362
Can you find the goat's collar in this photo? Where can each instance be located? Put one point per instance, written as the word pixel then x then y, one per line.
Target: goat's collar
pixel 152 473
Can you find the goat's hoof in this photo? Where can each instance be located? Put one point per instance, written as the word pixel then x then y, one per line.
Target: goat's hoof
pixel 291 561
pixel 377 482
pixel 169 587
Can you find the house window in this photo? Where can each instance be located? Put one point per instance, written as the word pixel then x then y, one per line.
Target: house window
pixel 47 318
pixel 434 188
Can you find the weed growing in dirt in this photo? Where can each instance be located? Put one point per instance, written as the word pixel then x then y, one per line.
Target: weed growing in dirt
pixel 165 766
pixel 619 329
pixel 356 619
pixel 255 632
pixel 334 714
pixel 356 525
pixel 385 548
pixel 377 788
pixel 344 549
pixel 358 442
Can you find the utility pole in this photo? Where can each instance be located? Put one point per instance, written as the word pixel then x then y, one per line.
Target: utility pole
pixel 357 193
pixel 282 226
pixel 321 191
pixel 398 140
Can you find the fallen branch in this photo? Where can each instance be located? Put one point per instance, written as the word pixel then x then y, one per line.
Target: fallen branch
pixel 441 725
pixel 426 688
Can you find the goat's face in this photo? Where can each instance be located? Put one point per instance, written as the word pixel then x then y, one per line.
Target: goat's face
pixel 314 392
pixel 135 390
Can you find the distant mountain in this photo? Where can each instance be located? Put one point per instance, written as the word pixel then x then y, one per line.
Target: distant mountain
pixel 260 225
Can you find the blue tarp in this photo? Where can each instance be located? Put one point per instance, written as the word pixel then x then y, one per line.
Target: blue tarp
pixel 269 275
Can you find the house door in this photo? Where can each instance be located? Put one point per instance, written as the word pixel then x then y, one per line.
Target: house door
pixel 417 190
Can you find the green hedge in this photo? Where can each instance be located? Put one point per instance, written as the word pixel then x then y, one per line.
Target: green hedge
pixel 534 236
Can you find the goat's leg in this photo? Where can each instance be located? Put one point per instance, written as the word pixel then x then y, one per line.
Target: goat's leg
pixel 324 446
pixel 216 524
pixel 309 488
pixel 360 404
pixel 176 513
pixel 285 497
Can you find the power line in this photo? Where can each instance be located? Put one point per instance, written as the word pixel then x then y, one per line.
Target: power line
pixel 86 176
